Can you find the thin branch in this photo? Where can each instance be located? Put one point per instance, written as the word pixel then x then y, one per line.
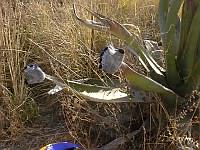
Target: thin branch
pixel 113 145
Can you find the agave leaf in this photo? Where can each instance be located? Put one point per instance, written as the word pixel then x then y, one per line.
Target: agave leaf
pixel 152 47
pixel 172 26
pixel 193 81
pixel 114 95
pixel 156 68
pixel 147 84
pixel 146 56
pixel 172 13
pixel 186 19
pixel 141 82
pixel 139 58
pixel 171 44
pixel 195 72
pixel 101 82
pixel 99 93
pixel 195 75
pixel 189 8
pixel 163 9
pixel 177 34
pixel 96 92
pixel 113 27
pixel 191 48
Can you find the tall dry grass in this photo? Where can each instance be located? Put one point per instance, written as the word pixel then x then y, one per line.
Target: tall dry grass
pixel 45 32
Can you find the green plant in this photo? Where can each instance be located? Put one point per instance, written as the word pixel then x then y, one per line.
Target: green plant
pixel 174 81
pixel 179 30
pixel 180 40
pixel 160 80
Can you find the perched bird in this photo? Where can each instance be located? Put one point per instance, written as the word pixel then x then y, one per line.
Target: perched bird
pixel 34 74
pixel 61 146
pixel 111 59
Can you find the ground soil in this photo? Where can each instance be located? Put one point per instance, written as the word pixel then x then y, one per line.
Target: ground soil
pixel 48 127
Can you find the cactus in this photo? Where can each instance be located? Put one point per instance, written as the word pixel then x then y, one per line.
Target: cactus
pixel 180 39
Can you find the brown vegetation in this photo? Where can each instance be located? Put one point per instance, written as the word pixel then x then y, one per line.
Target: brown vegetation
pixel 45 32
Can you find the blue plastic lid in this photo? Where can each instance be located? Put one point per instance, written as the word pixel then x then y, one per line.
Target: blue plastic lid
pixel 61 146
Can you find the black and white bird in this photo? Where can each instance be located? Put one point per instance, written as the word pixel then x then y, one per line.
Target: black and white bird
pixel 34 74
pixel 111 59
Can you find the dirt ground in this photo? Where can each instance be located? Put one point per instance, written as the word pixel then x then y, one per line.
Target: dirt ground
pixel 48 127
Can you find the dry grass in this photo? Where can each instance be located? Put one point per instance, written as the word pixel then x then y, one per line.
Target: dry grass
pixel 45 32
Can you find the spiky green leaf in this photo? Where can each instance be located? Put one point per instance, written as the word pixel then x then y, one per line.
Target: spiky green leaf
pixel 147 84
pixel 193 82
pixel 191 47
pixel 188 10
pixel 163 9
pixel 95 92
pixel 171 45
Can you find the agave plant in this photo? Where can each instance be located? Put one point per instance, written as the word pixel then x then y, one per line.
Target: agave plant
pixel 179 27
pixel 180 34
pixel 179 22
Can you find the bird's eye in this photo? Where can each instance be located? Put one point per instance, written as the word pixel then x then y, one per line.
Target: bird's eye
pixel 106 48
pixel 121 51
pixel 25 67
pixel 31 66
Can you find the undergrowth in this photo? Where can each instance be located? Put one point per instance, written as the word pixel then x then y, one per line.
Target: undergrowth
pixel 45 32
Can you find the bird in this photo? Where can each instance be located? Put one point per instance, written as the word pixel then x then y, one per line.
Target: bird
pixel 111 59
pixel 61 146
pixel 33 74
